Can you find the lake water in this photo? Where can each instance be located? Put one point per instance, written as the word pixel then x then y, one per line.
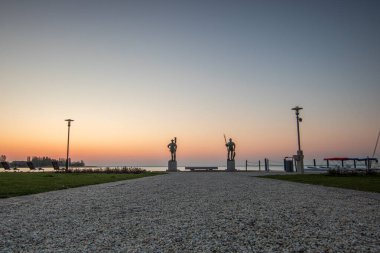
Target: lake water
pixel 220 168
pixel 160 168
pixel 182 168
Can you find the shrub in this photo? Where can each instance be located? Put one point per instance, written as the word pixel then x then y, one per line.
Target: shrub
pixel 108 170
pixel 350 172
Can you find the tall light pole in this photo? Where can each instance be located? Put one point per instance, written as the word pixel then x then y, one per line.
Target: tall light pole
pixel 299 157
pixel 68 142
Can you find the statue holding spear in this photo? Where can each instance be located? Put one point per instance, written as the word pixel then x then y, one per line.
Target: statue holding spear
pixel 230 149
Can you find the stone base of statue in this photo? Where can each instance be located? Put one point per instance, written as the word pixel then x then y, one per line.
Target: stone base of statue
pixel 172 166
pixel 231 165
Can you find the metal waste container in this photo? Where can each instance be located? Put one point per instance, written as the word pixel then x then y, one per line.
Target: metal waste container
pixel 288 165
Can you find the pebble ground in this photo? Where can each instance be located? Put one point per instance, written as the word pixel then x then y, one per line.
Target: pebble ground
pixel 193 212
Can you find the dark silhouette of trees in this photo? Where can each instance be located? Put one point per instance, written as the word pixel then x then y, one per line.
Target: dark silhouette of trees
pixel 44 161
pixel 3 158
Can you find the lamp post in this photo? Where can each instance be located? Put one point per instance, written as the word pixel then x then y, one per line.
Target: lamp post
pixel 299 157
pixel 68 142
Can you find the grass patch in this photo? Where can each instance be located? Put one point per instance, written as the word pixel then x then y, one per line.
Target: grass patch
pixel 360 182
pixel 17 184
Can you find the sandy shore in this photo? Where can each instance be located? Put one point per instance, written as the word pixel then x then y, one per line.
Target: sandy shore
pixel 193 212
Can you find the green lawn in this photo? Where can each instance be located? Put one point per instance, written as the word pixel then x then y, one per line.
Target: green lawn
pixel 370 183
pixel 17 184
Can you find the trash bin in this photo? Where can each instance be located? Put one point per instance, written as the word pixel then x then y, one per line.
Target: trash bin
pixel 288 165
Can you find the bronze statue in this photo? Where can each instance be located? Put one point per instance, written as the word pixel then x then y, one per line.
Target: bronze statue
pixel 230 149
pixel 173 148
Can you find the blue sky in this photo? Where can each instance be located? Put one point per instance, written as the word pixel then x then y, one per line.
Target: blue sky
pixel 136 73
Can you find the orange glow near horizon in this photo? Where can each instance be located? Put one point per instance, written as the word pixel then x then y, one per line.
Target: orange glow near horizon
pixel 143 140
pixel 119 148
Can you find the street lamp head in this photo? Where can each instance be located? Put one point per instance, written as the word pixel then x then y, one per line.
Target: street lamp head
pixel 69 121
pixel 297 108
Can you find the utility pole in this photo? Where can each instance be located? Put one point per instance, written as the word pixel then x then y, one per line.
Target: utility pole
pixel 68 143
pixel 299 157
pixel 377 141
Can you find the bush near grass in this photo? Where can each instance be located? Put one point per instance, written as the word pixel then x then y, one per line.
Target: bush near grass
pixel 350 172
pixel 108 170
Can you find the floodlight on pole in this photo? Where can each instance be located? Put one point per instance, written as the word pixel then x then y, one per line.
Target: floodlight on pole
pixel 299 157
pixel 68 142
pixel 297 109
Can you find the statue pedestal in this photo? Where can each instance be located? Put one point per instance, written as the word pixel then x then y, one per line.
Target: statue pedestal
pixel 172 166
pixel 231 165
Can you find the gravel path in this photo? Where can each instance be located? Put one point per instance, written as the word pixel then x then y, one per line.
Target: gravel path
pixel 193 212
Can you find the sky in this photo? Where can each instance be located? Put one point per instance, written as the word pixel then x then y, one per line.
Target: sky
pixel 135 74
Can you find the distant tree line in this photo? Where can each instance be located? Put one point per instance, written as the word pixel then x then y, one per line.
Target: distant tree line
pixel 42 162
pixel 3 158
